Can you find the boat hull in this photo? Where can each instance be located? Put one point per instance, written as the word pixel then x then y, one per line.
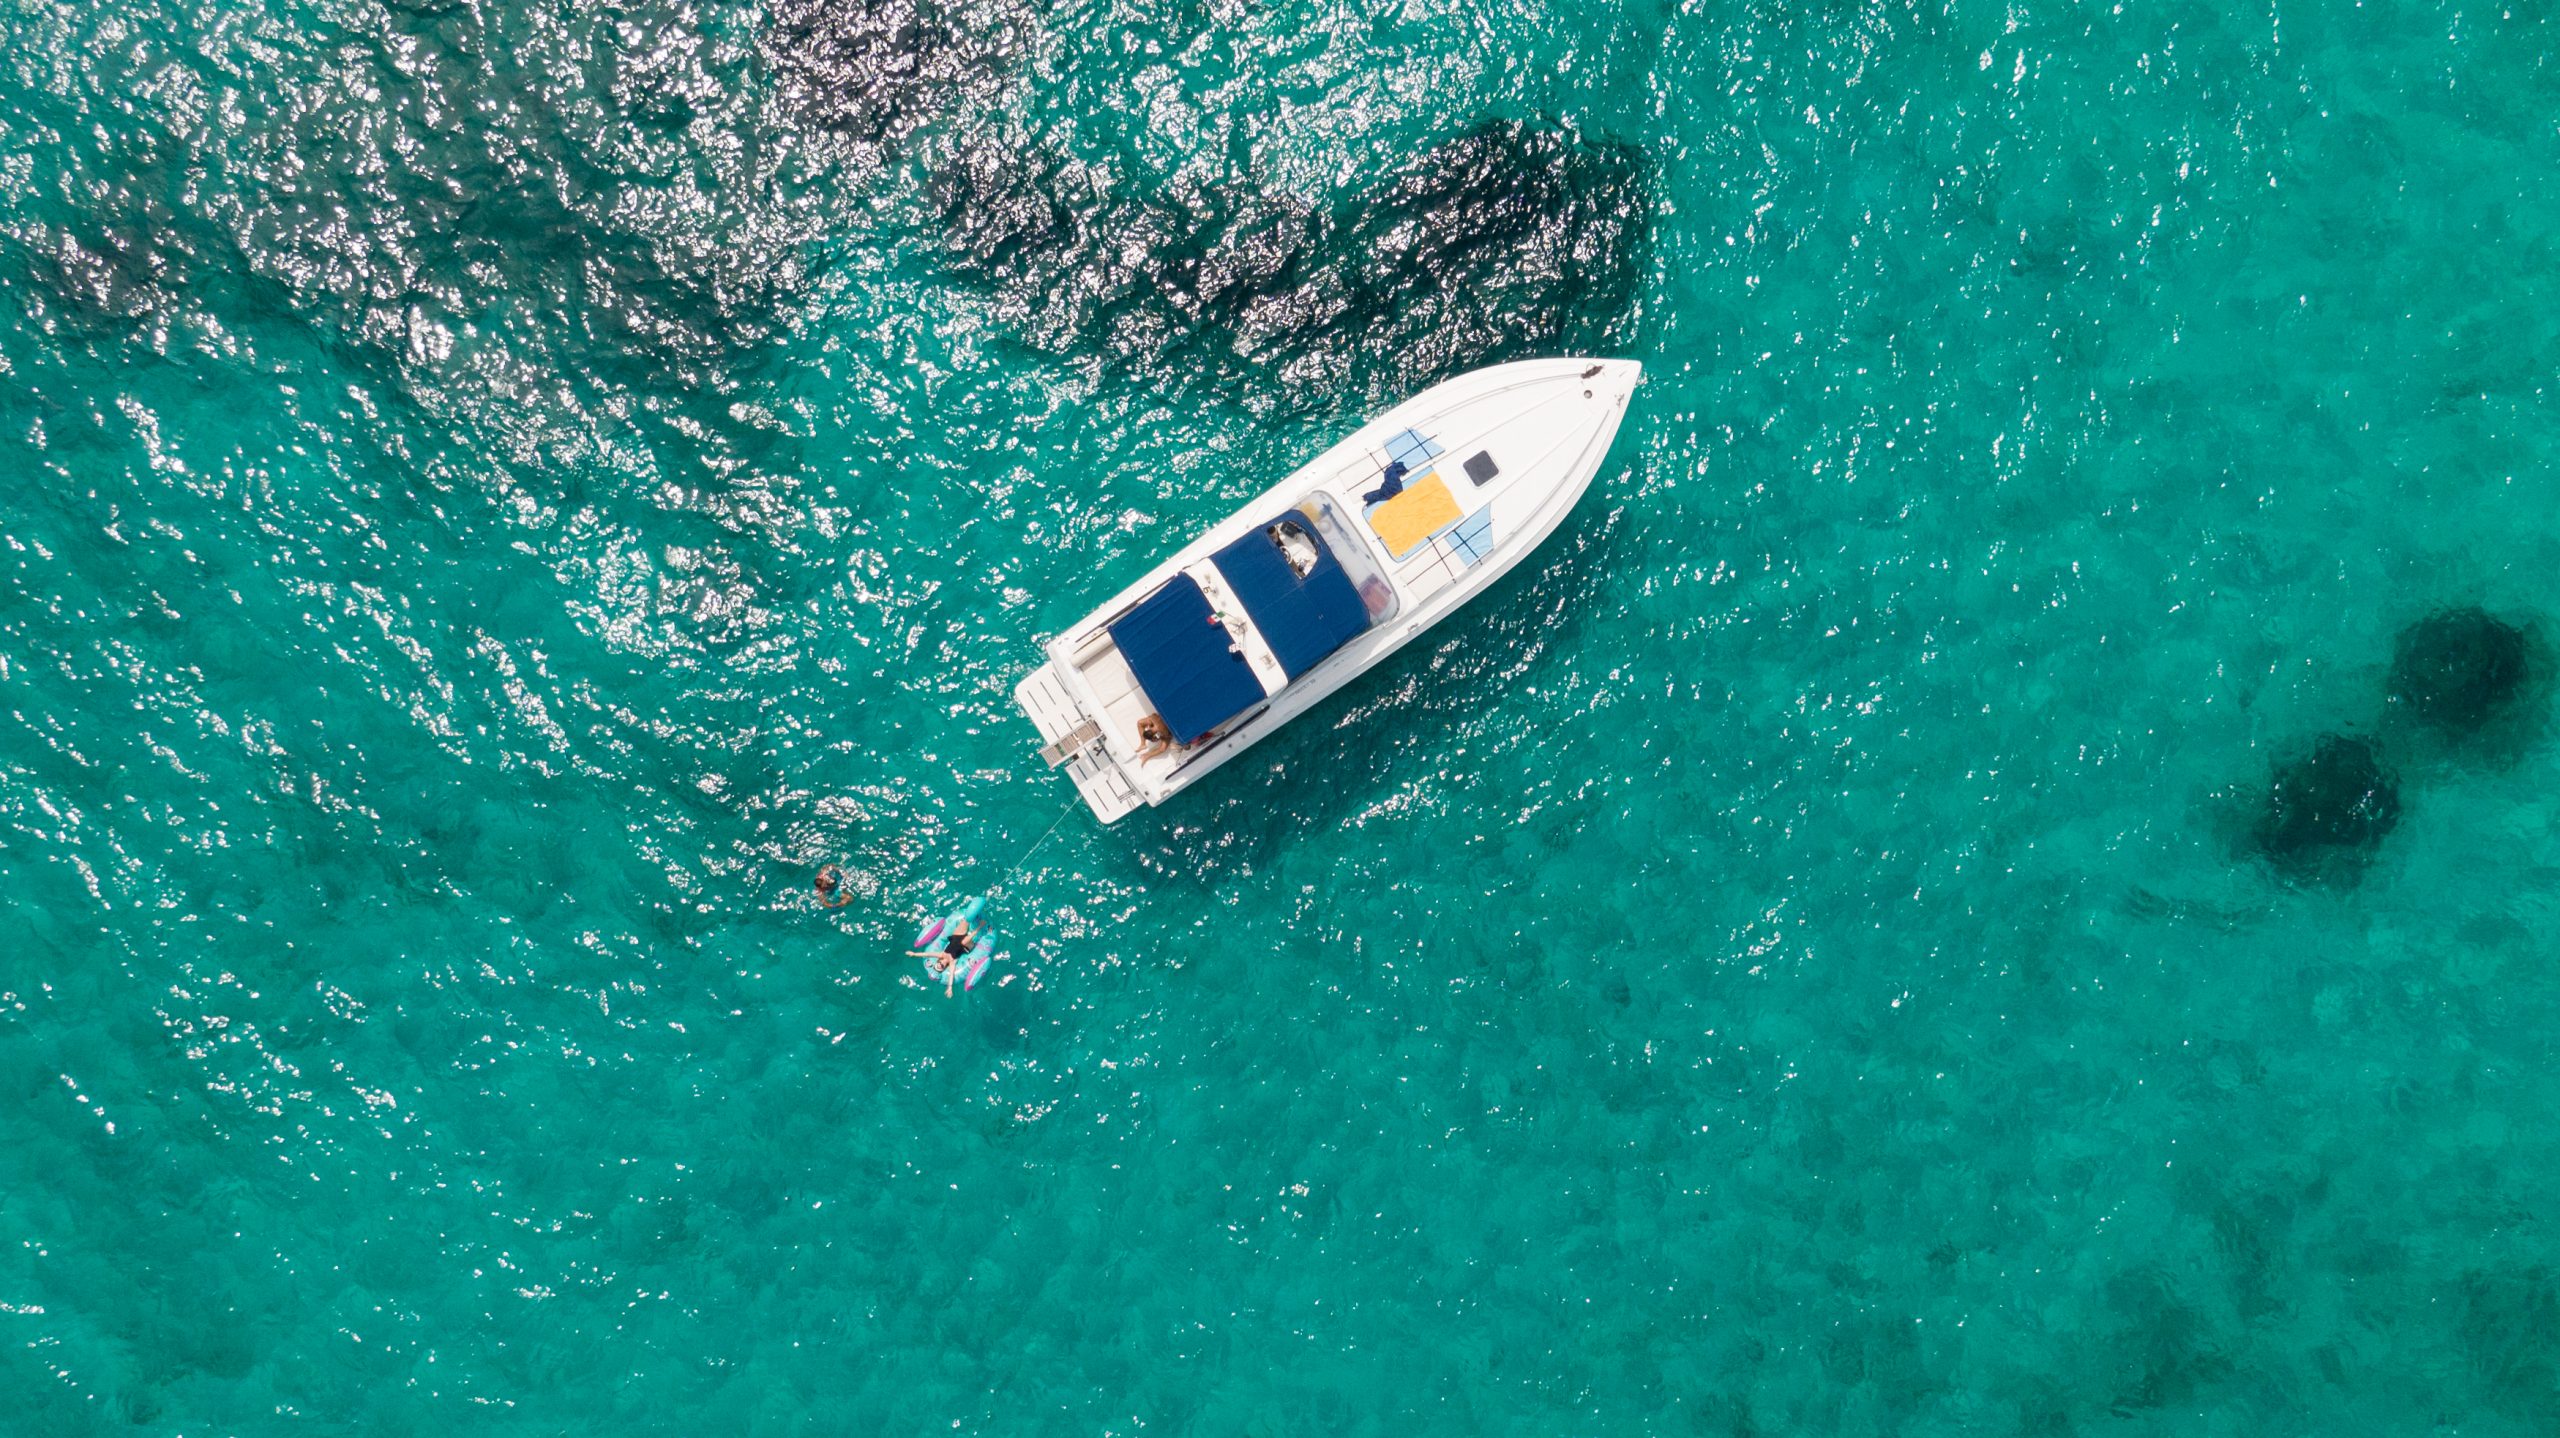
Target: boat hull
pixel 1489 463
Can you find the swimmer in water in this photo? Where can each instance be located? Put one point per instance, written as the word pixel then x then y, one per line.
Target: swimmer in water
pixel 831 888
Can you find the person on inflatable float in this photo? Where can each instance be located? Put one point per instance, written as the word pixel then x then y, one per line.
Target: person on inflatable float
pixel 955 947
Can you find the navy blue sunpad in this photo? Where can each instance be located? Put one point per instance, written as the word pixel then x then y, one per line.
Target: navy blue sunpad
pixel 1184 661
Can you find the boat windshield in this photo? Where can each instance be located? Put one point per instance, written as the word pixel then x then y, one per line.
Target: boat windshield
pixel 1358 561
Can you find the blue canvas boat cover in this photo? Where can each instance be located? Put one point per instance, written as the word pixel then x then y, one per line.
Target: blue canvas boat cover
pixel 1184 660
pixel 1303 620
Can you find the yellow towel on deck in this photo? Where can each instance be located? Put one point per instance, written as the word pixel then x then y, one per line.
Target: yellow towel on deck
pixel 1423 510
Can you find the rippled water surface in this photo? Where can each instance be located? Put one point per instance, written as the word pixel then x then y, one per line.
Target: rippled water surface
pixel 1997 877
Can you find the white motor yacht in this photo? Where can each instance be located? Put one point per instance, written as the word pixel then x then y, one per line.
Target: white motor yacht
pixel 1320 577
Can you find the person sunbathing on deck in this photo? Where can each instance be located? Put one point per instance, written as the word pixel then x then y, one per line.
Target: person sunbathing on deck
pixel 1153 737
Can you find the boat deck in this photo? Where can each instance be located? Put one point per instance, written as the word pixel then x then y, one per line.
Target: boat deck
pixel 1444 521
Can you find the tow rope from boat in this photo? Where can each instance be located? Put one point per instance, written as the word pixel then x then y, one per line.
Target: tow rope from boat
pixel 1007 876
pixel 957 949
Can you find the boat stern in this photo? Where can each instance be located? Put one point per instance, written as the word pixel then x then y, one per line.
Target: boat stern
pixel 1071 739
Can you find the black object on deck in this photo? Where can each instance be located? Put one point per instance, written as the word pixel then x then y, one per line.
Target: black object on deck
pixel 1391 485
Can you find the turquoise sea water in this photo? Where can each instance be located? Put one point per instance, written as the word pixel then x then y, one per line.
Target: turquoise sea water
pixel 1863 935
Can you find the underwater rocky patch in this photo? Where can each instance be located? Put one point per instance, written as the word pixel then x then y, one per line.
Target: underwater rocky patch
pixel 2328 811
pixel 454 193
pixel 91 239
pixel 2458 671
pixel 107 273
pixel 1508 240
pixel 877 70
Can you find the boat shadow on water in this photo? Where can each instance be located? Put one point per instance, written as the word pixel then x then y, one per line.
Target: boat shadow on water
pixel 1390 740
